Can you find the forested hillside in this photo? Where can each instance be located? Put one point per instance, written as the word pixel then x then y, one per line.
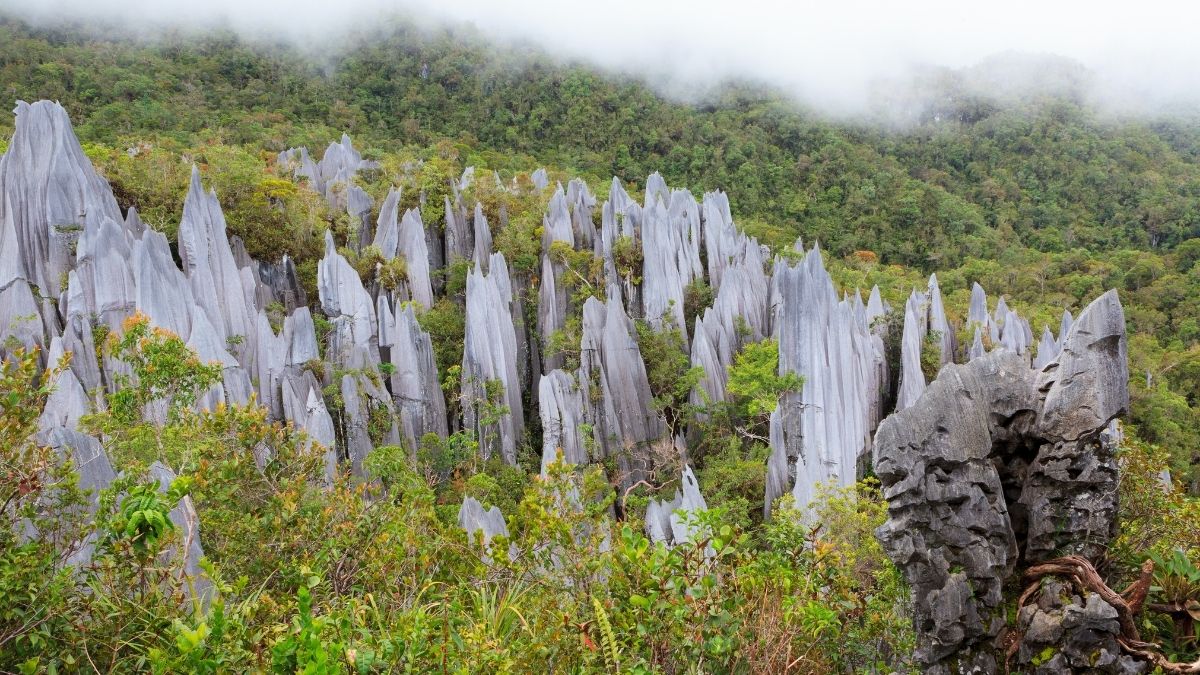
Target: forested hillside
pixel 435 309
pixel 1047 202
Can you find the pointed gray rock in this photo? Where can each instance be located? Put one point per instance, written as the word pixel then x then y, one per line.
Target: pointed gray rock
pixel 997 458
pixel 1089 386
pixel 561 404
pixel 1047 349
pixel 411 245
pixel 490 354
pixel 670 253
pixel 414 381
pixel 187 527
pixel 621 412
pixel 48 192
pixel 473 518
pixel 827 426
pixel 483 238
pixel 912 376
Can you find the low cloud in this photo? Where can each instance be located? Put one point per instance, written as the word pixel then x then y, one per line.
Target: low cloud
pixel 833 55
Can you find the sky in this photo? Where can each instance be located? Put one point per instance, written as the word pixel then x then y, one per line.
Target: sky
pixel 832 54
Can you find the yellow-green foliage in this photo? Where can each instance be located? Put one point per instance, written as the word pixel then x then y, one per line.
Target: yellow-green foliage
pixel 370 576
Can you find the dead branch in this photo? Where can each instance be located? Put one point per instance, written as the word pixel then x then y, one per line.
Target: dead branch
pixel 1084 577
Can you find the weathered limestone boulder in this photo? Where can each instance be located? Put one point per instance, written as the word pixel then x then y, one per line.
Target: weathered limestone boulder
pixel 416 389
pixel 667 520
pixel 616 390
pixel 823 430
pixel 560 402
pixel 540 179
pixel 1065 632
pixel 490 356
pixel 997 463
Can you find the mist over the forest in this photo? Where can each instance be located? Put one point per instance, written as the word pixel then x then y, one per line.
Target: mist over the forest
pixel 844 58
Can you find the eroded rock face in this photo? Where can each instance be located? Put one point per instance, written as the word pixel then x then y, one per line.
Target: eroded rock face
pixel 997 464
pixel 473 518
pixel 561 405
pixel 669 521
pixel 187 525
pixel 490 369
pixel 820 433
pixel 1065 632
pixel 414 382
pixel 613 378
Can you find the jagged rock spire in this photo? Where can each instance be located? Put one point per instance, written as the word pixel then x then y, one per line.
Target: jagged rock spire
pixel 483 238
pixel 965 499
pixel 561 404
pixel 819 433
pixel 670 252
pixel 667 521
pixel 48 193
pixel 490 355
pixel 621 412
pixel 414 382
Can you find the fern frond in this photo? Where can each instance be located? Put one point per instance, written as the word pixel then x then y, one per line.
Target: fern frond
pixel 608 639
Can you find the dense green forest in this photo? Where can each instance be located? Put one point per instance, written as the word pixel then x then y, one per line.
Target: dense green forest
pixel 1046 201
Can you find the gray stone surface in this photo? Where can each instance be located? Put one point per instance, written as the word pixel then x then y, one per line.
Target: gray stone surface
pixel 490 354
pixel 473 518
pixel 669 521
pixel 414 382
pixel 616 391
pixel 1064 632
pixel 561 406
pixel 91 463
pixel 412 246
pixel 825 428
pixel 997 459
pixel 670 253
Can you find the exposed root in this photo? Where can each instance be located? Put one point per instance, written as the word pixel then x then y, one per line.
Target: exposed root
pixel 1085 579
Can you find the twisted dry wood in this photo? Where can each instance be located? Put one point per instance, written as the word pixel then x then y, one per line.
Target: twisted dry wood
pixel 1085 578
